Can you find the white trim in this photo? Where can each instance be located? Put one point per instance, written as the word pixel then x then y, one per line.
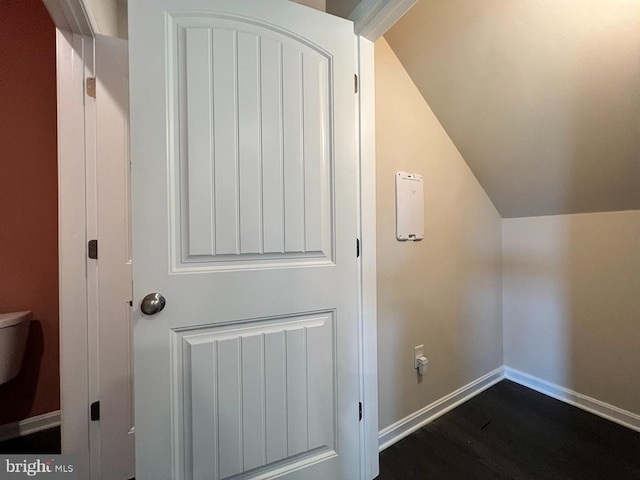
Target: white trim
pixel 29 425
pixel 373 18
pixel 69 15
pixel 91 212
pixel 405 427
pixel 597 407
pixel 408 425
pixel 74 401
pixel 368 287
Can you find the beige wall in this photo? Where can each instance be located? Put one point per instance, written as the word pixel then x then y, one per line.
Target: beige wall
pixel 104 16
pixel 572 302
pixel 540 97
pixel 445 291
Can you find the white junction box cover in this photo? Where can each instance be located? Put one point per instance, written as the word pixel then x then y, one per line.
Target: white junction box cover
pixel 409 206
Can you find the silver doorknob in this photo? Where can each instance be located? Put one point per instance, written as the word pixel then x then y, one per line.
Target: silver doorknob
pixel 152 303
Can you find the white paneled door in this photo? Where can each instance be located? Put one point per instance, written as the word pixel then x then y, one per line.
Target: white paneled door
pixel 244 219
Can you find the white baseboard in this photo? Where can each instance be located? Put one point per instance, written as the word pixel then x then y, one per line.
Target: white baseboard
pixel 396 432
pixel 29 425
pixel 602 409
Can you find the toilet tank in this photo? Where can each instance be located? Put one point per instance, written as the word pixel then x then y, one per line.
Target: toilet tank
pixel 14 329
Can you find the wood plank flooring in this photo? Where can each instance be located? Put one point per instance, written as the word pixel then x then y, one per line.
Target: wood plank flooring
pixel 512 432
pixel 507 432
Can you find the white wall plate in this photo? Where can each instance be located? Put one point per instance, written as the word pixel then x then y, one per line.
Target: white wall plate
pixel 409 206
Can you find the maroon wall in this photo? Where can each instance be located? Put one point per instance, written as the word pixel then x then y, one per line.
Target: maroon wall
pixel 28 201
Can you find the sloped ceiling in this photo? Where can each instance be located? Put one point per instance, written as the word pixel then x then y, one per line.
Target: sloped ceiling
pixel 542 98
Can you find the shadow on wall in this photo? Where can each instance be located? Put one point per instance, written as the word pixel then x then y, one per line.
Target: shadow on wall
pixel 18 395
pixel 571 303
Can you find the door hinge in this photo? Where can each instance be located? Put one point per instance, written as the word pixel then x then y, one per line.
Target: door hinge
pixel 357 247
pixel 360 411
pixel 95 411
pixel 355 83
pixel 91 87
pixel 92 249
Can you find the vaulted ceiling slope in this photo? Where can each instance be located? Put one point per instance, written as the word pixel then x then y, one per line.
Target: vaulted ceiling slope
pixel 542 98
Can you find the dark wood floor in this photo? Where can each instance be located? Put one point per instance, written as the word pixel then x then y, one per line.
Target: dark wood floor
pixel 46 441
pixel 512 432
pixel 506 432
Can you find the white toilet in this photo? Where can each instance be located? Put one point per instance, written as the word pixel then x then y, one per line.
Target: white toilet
pixel 14 329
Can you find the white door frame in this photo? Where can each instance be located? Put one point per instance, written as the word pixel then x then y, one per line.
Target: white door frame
pixel 72 49
pixel 75 143
pixel 74 52
pixel 367 268
pixel 372 18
